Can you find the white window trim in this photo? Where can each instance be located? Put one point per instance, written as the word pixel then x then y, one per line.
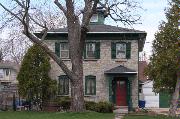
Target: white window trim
pixel 87 50
pixel 116 51
pixel 64 50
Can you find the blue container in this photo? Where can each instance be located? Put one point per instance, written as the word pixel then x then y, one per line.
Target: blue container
pixel 142 103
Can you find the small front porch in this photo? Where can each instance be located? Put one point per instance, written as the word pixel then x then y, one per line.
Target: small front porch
pixel 120 80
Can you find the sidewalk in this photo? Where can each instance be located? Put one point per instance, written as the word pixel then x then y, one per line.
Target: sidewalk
pixel 120 112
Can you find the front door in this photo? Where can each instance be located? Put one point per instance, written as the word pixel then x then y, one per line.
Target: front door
pixel 121 92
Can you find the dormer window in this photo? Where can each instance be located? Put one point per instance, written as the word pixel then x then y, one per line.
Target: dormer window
pixel 94 18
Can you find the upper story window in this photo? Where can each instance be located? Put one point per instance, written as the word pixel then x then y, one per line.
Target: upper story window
pixel 120 50
pixel 64 50
pixel 63 87
pixel 90 50
pixel 94 18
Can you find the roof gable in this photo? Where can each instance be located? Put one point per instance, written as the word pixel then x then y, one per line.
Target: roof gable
pixel 120 70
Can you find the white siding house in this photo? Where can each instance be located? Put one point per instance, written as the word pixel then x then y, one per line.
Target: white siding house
pixel 151 98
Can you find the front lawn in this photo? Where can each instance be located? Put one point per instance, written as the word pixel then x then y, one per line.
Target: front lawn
pixel 148 117
pixel 57 115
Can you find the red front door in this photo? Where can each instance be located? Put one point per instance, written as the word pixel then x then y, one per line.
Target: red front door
pixel 121 93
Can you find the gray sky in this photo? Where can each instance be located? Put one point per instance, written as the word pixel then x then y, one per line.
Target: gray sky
pixel 151 19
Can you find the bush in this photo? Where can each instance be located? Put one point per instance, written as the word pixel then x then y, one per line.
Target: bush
pixel 90 105
pixel 102 107
pixel 64 102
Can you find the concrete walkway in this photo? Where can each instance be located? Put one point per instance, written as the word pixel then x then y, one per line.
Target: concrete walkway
pixel 120 112
pixel 118 116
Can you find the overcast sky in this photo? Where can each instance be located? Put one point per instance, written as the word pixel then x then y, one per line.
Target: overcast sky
pixel 151 18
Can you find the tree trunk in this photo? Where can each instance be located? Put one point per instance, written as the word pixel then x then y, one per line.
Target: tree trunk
pixel 77 96
pixel 76 51
pixel 175 97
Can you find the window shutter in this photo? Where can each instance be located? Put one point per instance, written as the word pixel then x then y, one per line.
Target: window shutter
pixel 94 85
pixel 57 49
pixel 113 50
pixel 84 51
pixel 128 50
pixel 86 78
pixel 97 50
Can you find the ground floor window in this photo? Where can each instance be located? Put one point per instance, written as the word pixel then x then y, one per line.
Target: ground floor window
pixel 63 87
pixel 90 85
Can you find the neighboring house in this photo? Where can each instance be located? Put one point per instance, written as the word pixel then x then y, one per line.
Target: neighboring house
pixel 8 83
pixel 146 88
pixel 8 73
pixel 110 62
pixel 153 100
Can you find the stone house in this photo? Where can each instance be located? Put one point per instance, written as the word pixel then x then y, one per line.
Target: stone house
pixel 110 61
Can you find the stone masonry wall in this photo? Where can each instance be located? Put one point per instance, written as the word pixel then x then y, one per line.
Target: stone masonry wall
pixel 97 68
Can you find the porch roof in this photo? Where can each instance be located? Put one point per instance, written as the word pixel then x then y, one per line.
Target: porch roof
pixel 121 70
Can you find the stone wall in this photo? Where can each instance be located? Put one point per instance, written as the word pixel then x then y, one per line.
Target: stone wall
pixel 97 68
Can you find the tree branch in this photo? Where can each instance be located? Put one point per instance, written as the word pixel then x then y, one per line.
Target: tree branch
pixel 60 7
pixel 15 15
pixel 34 39
pixel 24 7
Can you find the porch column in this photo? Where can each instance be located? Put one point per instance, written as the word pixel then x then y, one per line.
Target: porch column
pixel 110 78
pixel 129 93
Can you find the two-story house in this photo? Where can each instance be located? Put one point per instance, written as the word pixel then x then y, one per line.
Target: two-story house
pixel 110 61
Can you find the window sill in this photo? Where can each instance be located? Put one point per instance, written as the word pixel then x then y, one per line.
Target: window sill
pixel 94 95
pixel 91 59
pixel 121 60
pixel 66 59
pixel 63 95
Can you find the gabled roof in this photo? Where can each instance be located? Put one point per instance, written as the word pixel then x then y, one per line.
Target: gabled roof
pixel 101 28
pixel 120 70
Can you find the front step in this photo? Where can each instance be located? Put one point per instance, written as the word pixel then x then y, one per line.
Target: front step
pixel 121 107
pixel 122 110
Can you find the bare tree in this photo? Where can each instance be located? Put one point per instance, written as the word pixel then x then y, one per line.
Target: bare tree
pixel 15 43
pixel 77 24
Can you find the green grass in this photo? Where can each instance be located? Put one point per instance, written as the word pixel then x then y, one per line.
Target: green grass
pixel 58 115
pixel 148 117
